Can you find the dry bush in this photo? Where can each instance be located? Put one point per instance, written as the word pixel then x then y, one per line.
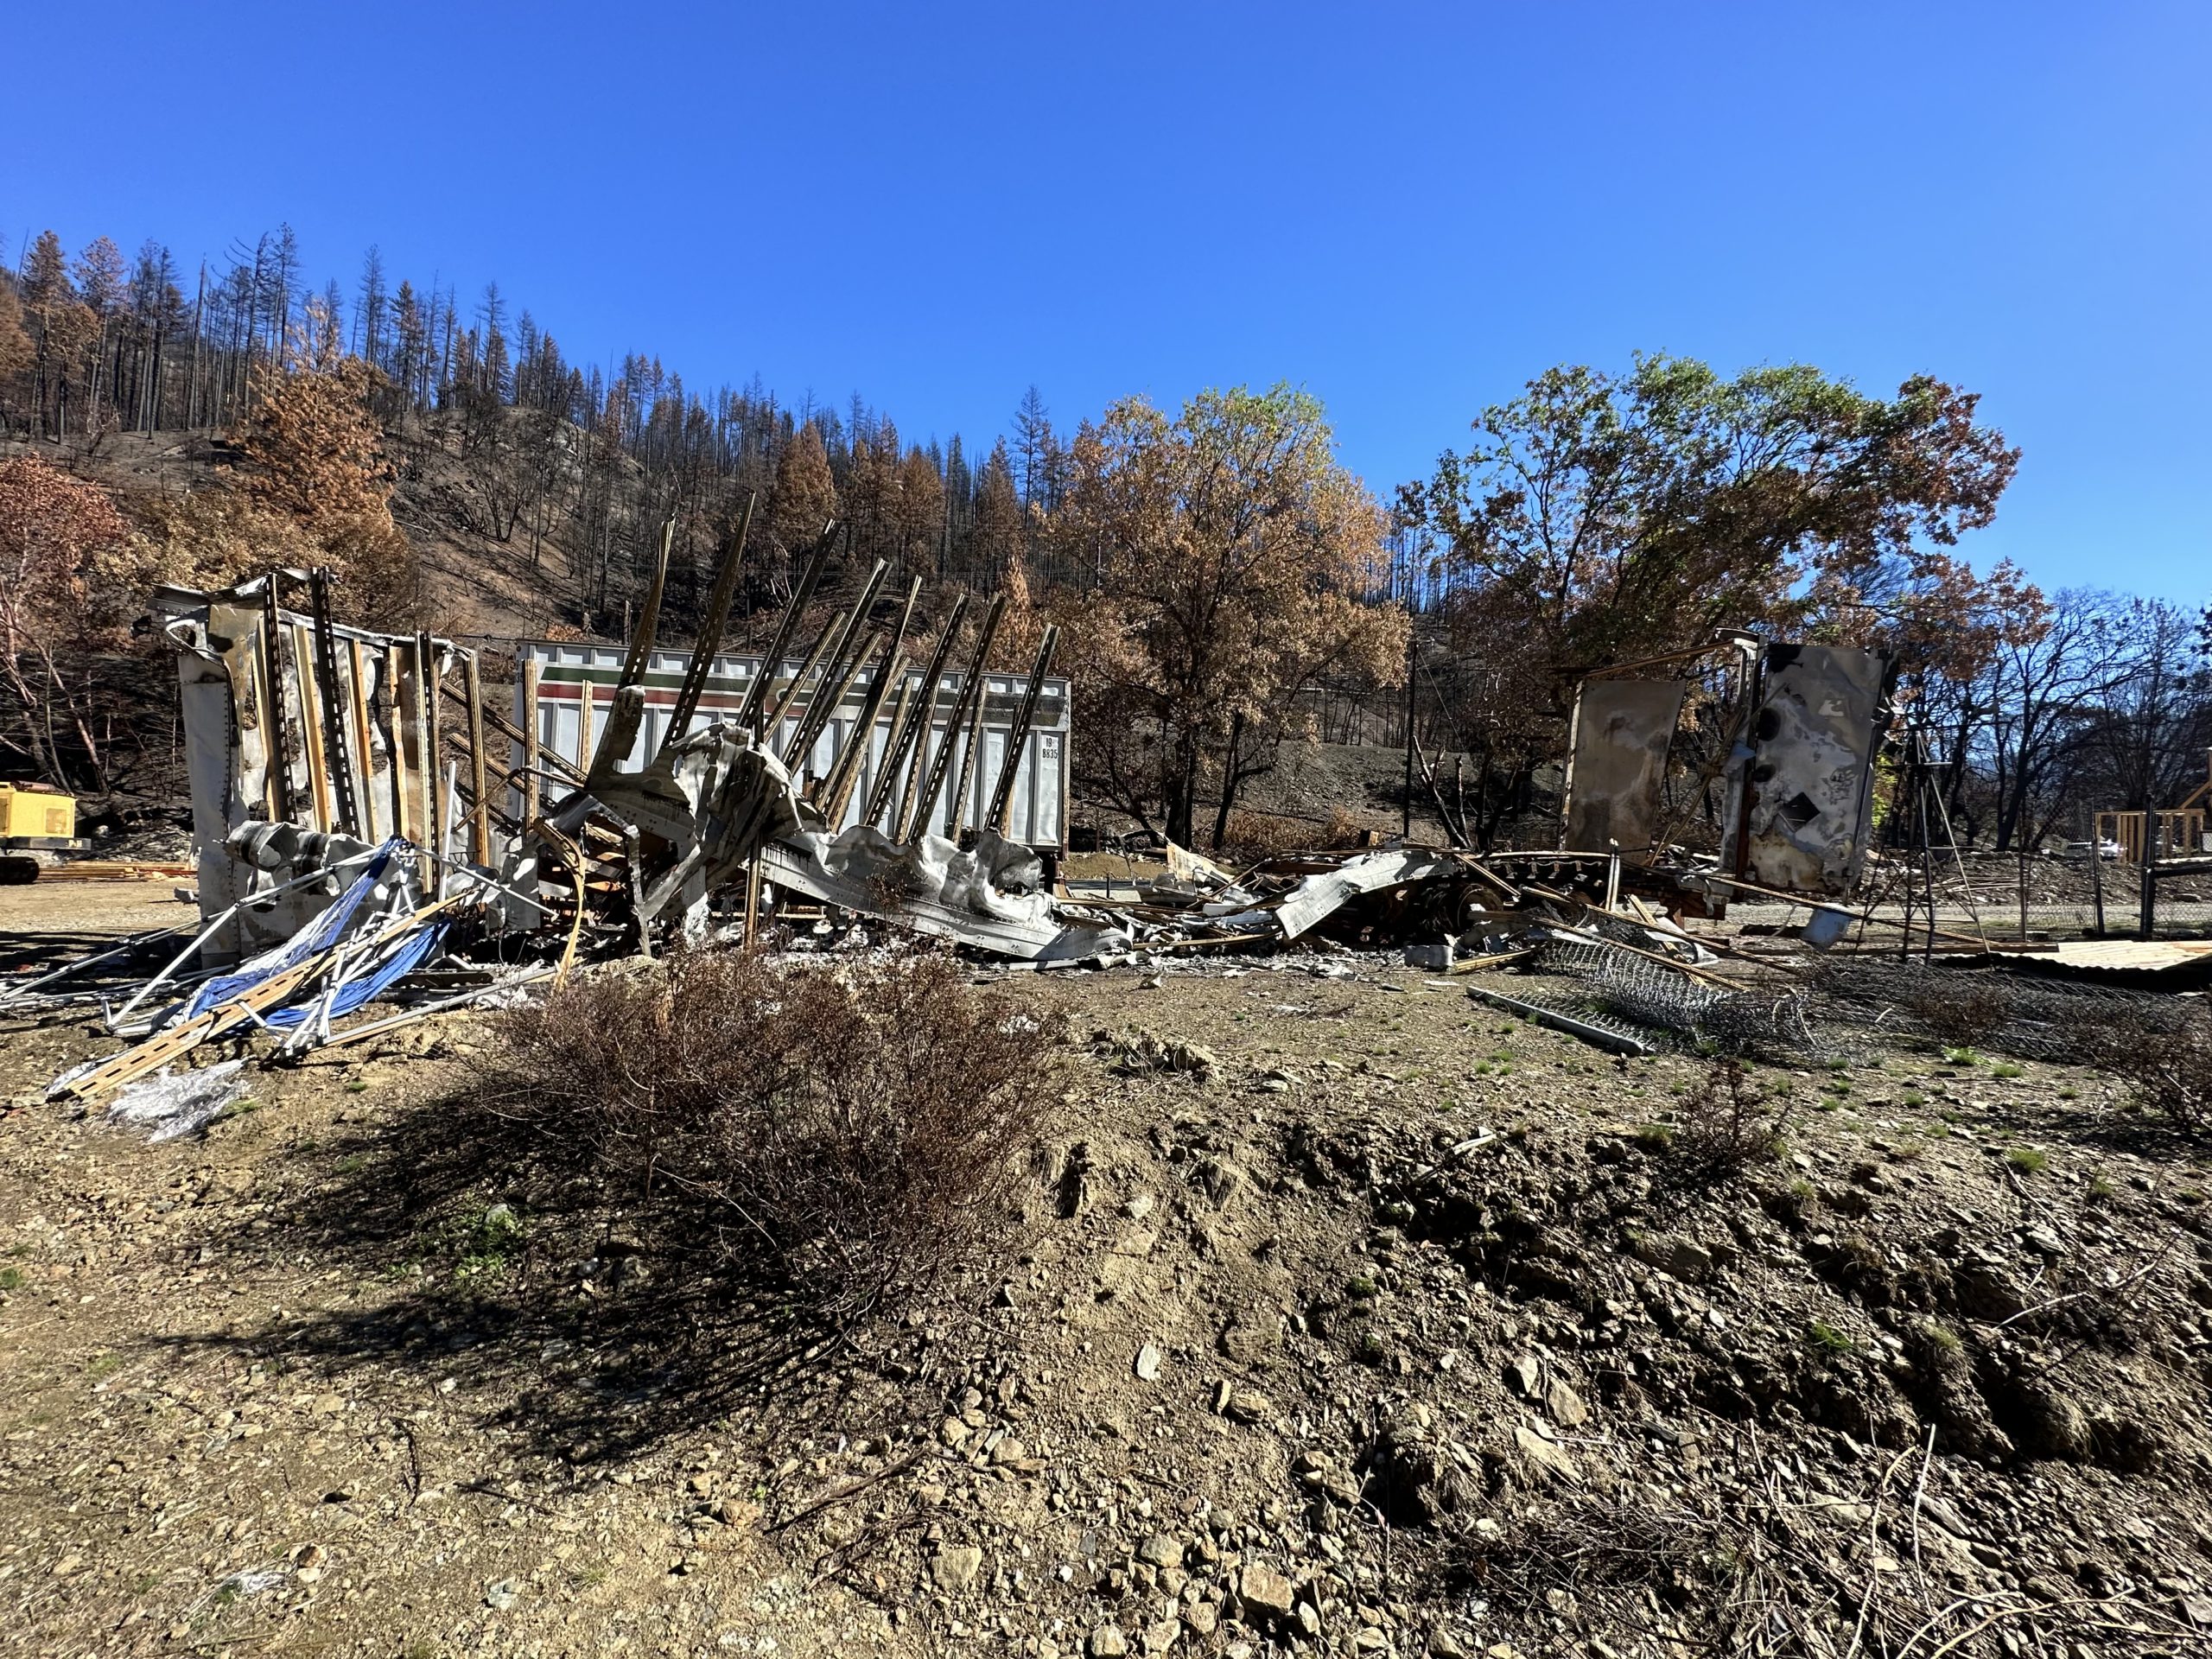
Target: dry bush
pixel 1261 834
pixel 1727 1122
pixel 2170 1067
pixel 1345 831
pixel 849 1133
pixel 1961 1010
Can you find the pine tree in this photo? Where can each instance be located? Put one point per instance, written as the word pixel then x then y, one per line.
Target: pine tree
pixel 805 499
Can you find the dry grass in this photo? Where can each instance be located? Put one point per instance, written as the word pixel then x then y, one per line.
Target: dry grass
pixel 852 1134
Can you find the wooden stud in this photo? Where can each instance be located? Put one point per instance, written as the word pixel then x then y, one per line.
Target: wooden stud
pixel 530 738
pixel 310 702
pixel 583 726
pixel 479 835
pixel 403 798
pixel 357 699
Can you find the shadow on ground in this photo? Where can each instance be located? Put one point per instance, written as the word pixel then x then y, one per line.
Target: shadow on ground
pixel 595 1323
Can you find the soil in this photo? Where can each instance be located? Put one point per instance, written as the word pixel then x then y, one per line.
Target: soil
pixel 1345 1315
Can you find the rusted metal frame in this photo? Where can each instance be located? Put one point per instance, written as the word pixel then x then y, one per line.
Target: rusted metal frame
pixel 571 849
pixel 835 695
pixel 748 714
pixel 710 631
pixel 957 819
pixel 820 709
pixel 426 758
pixel 781 708
pixel 1018 739
pixel 277 785
pixel 914 812
pixel 971 692
pixel 838 789
pixel 833 665
pixel 648 628
pixel 334 731
pixel 887 777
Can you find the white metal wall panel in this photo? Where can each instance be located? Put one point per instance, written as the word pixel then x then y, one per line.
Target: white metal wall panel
pixel 1036 814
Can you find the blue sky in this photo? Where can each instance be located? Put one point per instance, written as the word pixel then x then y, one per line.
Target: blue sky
pixel 1407 209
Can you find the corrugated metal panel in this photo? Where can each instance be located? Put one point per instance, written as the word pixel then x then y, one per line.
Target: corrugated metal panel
pixel 1037 814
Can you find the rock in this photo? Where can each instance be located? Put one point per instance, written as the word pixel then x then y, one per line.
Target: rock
pixel 1525 1376
pixel 1202 1616
pixel 329 1405
pixel 1108 1639
pixel 1248 1406
pixel 956 1565
pixel 1684 1258
pixel 1160 1635
pixel 1250 1340
pixel 1550 1458
pixel 1194 1057
pixel 1221 1180
pixel 1149 1363
pixel 1161 1550
pixel 2051 1424
pixel 1008 1450
pixel 1566 1405
pixel 2197 1610
pixel 953 1431
pixel 1445 1645
pixel 1265 1594
pixel 735 1512
pixel 501 1595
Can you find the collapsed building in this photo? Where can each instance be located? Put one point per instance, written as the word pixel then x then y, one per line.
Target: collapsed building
pixel 367 825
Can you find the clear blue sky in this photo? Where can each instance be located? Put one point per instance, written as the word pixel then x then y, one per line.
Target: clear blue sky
pixel 1407 209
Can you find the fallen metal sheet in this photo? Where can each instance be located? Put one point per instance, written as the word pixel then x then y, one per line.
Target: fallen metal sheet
pixel 2188 960
pixel 1623 731
pixel 936 889
pixel 1320 897
pixel 1601 1033
pixel 1812 777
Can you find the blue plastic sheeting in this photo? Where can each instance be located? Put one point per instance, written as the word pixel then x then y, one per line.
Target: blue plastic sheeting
pixel 318 935
pixel 416 949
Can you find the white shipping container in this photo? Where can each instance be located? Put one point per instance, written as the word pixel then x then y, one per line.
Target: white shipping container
pixel 576 689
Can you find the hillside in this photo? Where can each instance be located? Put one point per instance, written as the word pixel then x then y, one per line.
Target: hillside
pixel 475 584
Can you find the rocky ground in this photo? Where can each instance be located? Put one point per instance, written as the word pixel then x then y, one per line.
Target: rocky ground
pixel 1346 1315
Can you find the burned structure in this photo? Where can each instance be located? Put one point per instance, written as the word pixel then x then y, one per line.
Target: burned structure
pixel 369 822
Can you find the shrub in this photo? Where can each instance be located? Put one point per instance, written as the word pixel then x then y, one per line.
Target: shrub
pixel 1261 834
pixel 1727 1123
pixel 849 1133
pixel 2170 1070
pixel 1961 1009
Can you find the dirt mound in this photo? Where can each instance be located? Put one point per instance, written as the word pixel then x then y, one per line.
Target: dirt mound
pixel 1344 1317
